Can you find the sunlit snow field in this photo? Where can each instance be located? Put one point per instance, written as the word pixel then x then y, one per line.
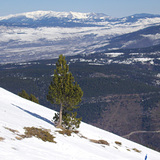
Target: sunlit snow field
pixel 17 113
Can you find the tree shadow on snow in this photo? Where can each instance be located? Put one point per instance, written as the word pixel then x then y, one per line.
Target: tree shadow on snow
pixel 34 115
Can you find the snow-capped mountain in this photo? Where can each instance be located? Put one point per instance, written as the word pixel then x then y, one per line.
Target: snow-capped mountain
pixel 51 18
pixel 17 113
pixel 139 17
pixel 71 19
pixel 46 34
pixel 38 15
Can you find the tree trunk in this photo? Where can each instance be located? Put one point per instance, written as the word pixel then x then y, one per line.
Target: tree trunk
pixel 60 116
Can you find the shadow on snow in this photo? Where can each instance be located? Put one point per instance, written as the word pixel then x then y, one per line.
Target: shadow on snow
pixel 34 115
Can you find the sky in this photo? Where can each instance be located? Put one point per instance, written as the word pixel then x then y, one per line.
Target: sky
pixel 113 8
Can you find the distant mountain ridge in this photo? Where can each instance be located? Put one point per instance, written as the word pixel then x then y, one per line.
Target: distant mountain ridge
pixel 72 15
pixel 70 19
pixel 52 18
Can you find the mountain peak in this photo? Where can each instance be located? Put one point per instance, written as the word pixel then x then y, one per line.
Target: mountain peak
pixel 54 19
pixel 72 15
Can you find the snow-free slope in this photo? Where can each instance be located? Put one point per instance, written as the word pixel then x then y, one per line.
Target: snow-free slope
pixel 17 113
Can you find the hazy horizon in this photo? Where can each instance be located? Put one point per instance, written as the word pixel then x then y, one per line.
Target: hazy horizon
pixel 114 8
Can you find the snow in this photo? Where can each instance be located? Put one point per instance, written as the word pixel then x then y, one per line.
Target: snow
pixel 113 54
pixel 46 42
pixel 158 75
pixel 129 43
pixel 152 36
pixel 36 15
pixel 17 113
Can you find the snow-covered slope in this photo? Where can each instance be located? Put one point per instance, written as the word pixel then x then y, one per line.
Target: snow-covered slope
pixel 17 113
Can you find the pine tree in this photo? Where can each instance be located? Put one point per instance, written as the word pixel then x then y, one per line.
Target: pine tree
pixel 33 98
pixel 24 94
pixel 63 90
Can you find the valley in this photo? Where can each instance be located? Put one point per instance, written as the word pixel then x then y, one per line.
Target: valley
pixel 120 98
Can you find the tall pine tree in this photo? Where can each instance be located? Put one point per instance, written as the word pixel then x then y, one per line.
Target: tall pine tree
pixel 63 90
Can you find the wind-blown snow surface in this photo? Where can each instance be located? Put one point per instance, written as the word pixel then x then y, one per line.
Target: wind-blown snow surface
pixel 17 113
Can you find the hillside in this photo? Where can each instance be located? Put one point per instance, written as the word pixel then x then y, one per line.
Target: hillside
pixel 17 113
pixel 120 98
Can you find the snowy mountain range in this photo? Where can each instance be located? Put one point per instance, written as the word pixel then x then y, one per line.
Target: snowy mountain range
pixel 46 34
pixel 51 18
pixel 70 19
pixel 17 114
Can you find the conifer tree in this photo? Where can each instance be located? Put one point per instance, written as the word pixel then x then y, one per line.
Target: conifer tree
pixel 63 90
pixel 23 94
pixel 31 97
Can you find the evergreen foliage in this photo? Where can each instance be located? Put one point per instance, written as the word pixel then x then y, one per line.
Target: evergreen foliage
pixel 65 92
pixel 25 95
pixel 33 99
pixel 70 122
